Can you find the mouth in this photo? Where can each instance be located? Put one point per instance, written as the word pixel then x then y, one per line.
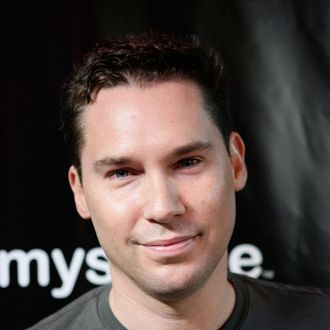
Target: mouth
pixel 173 246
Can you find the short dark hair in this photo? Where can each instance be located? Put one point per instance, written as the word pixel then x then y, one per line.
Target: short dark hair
pixel 143 59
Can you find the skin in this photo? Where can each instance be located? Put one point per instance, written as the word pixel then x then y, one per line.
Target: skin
pixel 159 186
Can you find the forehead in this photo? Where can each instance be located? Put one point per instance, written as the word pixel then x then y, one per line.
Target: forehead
pixel 157 116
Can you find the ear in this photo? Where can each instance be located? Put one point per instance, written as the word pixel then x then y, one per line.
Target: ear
pixel 78 192
pixel 237 154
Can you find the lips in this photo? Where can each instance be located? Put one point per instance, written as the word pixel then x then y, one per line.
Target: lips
pixel 169 242
pixel 165 250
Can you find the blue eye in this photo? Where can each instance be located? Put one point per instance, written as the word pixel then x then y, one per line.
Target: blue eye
pixel 188 162
pixel 119 174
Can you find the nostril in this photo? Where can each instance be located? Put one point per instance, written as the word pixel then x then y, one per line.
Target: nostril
pixel 151 220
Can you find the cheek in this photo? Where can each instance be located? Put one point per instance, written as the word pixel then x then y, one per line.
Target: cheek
pixel 113 219
pixel 217 202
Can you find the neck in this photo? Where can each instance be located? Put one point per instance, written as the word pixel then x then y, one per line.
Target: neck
pixel 207 308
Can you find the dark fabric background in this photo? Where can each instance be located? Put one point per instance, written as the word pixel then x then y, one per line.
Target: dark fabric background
pixel 278 57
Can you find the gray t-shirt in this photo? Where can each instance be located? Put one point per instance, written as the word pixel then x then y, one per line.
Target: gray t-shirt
pixel 89 311
pixel 259 305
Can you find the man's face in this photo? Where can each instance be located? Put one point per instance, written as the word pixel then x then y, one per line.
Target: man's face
pixel 159 186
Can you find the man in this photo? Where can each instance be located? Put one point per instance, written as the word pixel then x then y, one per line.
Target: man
pixel 155 167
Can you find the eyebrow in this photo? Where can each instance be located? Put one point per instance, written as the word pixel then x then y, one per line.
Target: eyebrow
pixel 109 161
pixel 180 151
pixel 195 146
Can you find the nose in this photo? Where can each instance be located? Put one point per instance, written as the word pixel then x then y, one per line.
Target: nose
pixel 162 200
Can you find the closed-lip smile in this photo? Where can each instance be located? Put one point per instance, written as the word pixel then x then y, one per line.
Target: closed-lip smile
pixel 170 247
pixel 168 242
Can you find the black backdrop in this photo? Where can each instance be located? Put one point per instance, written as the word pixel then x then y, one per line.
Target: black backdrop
pixel 278 57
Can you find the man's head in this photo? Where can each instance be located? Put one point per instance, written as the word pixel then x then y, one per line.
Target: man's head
pixel 142 60
pixel 157 178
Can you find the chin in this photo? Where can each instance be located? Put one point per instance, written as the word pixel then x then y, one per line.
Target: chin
pixel 174 284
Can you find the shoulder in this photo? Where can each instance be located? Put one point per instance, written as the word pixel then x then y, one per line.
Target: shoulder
pixel 287 306
pixel 286 290
pixel 78 314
